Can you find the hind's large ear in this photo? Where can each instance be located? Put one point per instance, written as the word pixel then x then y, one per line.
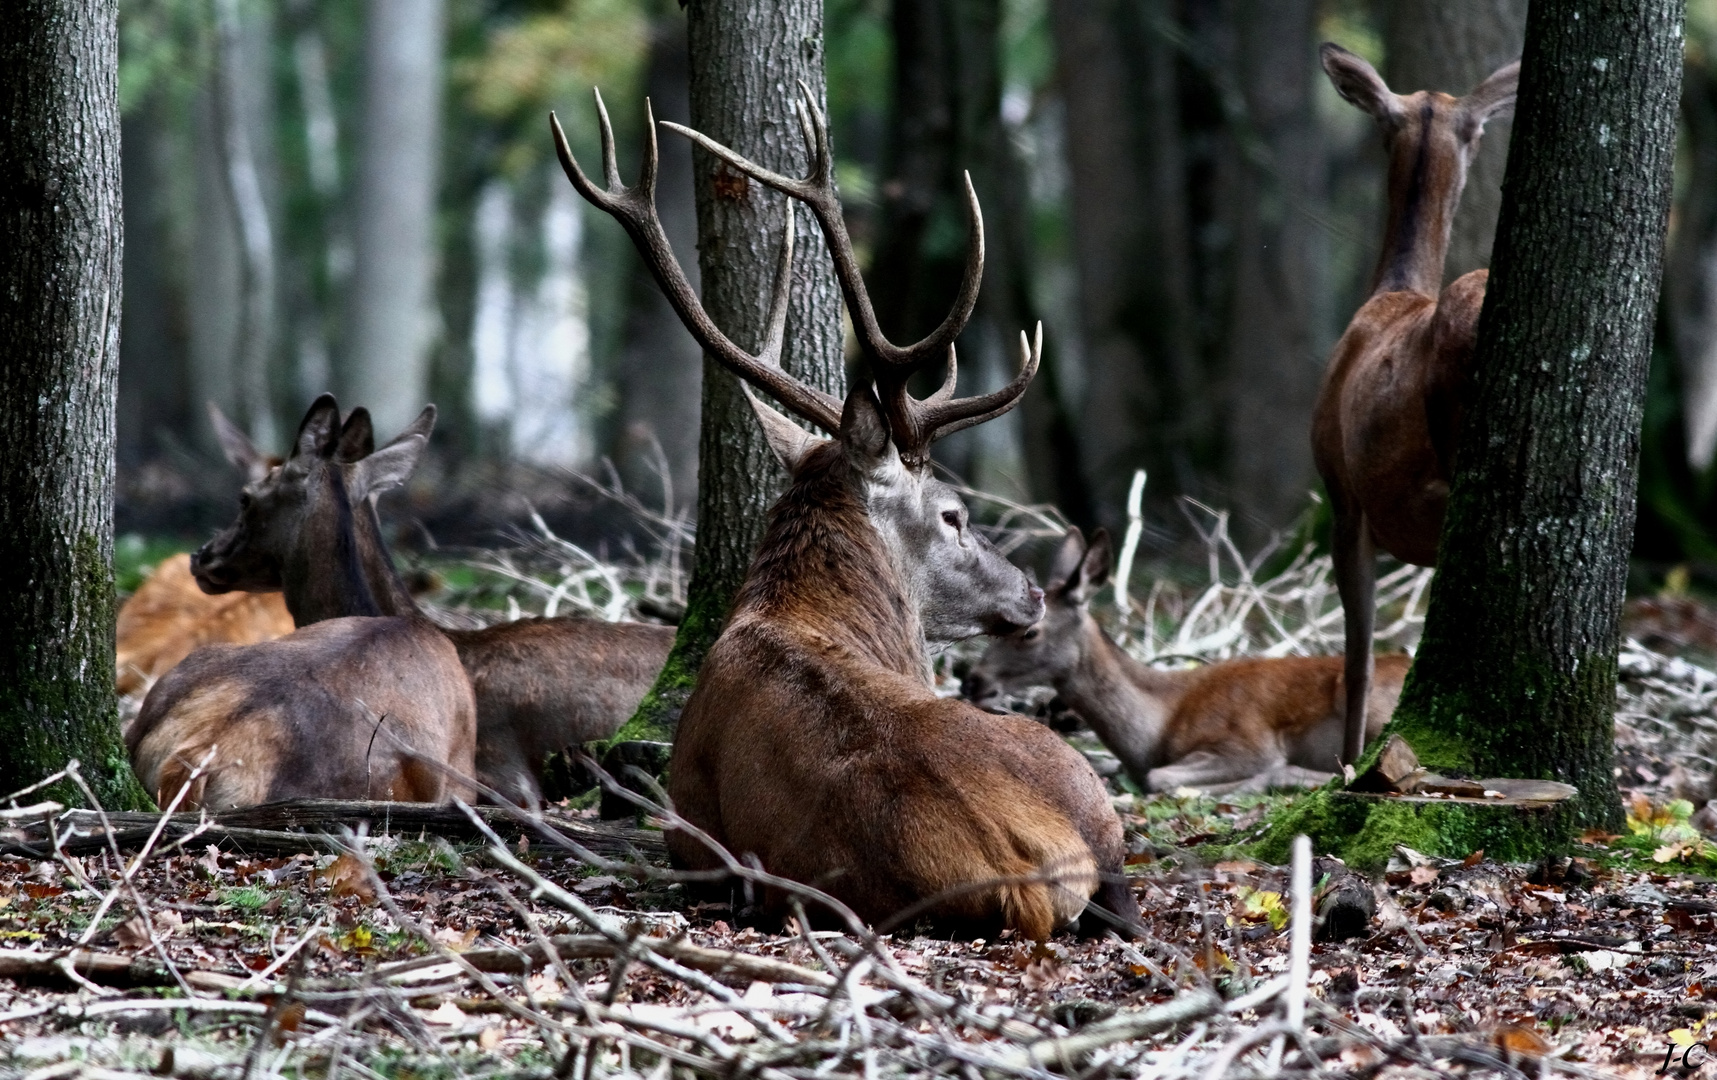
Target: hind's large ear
pixel 388 467
pixel 420 427
pixel 1094 568
pixel 319 433
pixel 357 436
pixel 1493 99
pixel 789 441
pixel 1067 558
pixel 1359 83
pixel 238 448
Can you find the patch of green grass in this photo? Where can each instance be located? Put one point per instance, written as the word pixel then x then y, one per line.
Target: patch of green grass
pixel 134 556
pixel 248 897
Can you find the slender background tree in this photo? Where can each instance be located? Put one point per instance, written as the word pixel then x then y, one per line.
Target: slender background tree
pixel 747 61
pixel 61 243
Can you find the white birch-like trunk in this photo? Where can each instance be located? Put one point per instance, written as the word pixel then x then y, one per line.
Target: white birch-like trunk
pixel 393 322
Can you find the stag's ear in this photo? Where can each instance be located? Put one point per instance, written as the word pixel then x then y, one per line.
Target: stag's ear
pixel 1093 572
pixel 357 436
pixel 388 467
pixel 1493 99
pixel 864 429
pixel 1067 558
pixel 319 433
pixel 1359 83
pixel 789 441
pixel 238 448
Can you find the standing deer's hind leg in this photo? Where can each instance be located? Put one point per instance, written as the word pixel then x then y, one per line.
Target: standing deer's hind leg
pixel 1356 581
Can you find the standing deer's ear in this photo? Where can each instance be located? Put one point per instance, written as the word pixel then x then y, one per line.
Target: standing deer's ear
pixel 1093 572
pixel 864 429
pixel 1493 99
pixel 388 467
pixel 421 427
pixel 319 433
pixel 238 448
pixel 1359 83
pixel 1067 558
pixel 357 436
pixel 789 441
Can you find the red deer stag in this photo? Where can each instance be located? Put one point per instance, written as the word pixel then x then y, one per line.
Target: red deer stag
pixel 541 685
pixel 301 717
pixel 1384 430
pixel 1237 725
pixel 812 741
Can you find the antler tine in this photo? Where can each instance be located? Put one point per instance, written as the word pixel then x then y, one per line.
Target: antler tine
pixel 610 160
pixel 635 209
pixel 939 418
pixel 817 191
pixel 945 392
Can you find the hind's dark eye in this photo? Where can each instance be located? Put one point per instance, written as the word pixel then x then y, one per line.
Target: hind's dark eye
pixel 1030 635
pixel 952 518
pixel 244 500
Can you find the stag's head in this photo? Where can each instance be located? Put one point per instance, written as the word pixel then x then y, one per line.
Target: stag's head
pixel 1048 652
pixel 293 506
pixel 961 585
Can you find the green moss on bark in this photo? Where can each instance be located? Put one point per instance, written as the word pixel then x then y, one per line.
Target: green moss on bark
pixel 658 715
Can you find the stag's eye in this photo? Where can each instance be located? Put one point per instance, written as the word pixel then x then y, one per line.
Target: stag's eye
pixel 951 518
pixel 1030 635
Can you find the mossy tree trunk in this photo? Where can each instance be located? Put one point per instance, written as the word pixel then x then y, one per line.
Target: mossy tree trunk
pixel 747 61
pixel 1516 675
pixel 60 245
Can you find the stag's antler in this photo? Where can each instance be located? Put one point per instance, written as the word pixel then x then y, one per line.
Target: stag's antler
pixel 913 424
pixel 635 208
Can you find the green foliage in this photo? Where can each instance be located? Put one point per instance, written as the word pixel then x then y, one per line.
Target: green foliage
pixel 163 49
pixel 135 557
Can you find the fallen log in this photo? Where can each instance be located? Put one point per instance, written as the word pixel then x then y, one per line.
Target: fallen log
pixel 286 828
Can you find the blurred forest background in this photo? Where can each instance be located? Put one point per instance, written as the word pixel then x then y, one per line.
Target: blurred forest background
pixel 361 195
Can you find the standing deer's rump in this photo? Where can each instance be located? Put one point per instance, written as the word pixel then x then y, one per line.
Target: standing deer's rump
pixel 303 716
pixel 169 616
pixel 813 741
pixel 1384 429
pixel 1237 725
pixel 541 684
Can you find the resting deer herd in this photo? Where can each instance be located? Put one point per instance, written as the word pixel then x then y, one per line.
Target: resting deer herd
pixel 813 742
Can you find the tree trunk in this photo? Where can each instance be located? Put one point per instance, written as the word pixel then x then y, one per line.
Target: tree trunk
pixel 661 370
pixel 1516 674
pixel 1691 277
pixel 1144 399
pixel 1275 350
pixel 746 63
pixel 60 227
pixel 1451 45
pixel 386 354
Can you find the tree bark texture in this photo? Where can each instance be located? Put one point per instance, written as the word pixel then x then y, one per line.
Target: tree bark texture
pixel 661 372
pixel 747 61
pixel 1144 404
pixel 1517 670
pixel 1275 348
pixel 1451 45
pixel 393 325
pixel 61 239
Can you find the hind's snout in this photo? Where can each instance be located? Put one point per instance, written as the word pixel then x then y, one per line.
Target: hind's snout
pixel 212 576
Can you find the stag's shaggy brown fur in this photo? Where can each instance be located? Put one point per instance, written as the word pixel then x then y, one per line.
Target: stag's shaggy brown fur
pixel 813 742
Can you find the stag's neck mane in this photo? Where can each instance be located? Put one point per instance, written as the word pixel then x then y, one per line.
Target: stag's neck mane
pixel 823 567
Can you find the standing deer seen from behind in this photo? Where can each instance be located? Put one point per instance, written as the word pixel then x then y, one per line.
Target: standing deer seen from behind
pixel 813 741
pixel 1384 430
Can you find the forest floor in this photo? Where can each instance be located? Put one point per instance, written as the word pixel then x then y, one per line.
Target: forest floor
pixel 312 964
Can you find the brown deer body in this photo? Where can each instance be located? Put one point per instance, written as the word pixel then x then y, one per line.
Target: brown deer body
pixel 1248 724
pixel 303 716
pixel 813 742
pixel 1384 429
pixel 169 616
pixel 541 685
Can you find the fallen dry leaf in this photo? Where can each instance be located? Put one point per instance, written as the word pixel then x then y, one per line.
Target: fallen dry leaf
pixel 489 1038
pixel 132 935
pixel 347 876
pixel 1424 875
